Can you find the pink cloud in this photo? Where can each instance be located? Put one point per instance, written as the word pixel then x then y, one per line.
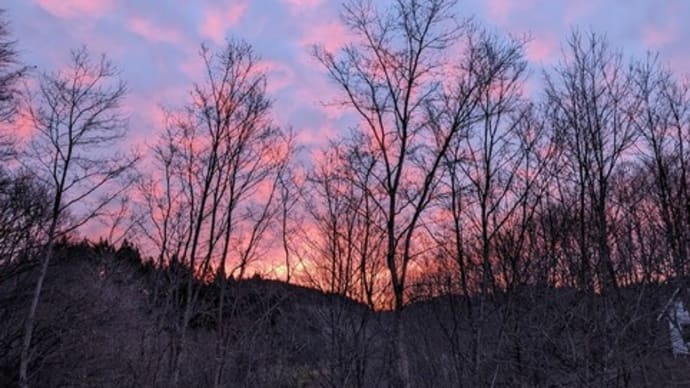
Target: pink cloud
pixel 22 127
pixel 500 9
pixel 318 90
pixel 66 9
pixel 217 20
pixel 153 33
pixel 280 75
pixel 315 136
pixel 193 66
pixel 656 36
pixel 302 3
pixel 574 11
pixel 542 50
pixel 331 34
pixel 147 111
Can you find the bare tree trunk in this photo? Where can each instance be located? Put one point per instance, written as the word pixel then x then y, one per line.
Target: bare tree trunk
pixel 403 378
pixel 25 357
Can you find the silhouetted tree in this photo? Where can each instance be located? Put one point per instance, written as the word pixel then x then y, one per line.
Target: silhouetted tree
pixel 11 72
pixel 23 213
pixel 78 122
pixel 662 123
pixel 593 104
pixel 222 162
pixel 413 99
pixel 343 240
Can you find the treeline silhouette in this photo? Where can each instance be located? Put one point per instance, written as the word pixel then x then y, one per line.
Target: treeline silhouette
pixel 466 232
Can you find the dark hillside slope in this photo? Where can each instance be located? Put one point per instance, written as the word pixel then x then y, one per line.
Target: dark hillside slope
pixel 546 337
pixel 107 320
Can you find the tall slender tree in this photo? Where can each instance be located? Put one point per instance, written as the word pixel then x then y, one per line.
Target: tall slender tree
pixel 593 105
pixel 78 122
pixel 216 198
pixel 415 76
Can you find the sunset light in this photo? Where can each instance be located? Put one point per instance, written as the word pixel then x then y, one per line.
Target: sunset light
pixel 350 193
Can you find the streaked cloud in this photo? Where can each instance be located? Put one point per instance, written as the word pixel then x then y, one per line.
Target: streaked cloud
pixel 67 9
pixel 153 32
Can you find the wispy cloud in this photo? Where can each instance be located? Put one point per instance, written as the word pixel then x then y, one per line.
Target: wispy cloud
pixel 218 19
pixel 67 9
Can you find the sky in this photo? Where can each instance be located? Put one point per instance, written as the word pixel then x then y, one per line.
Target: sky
pixel 155 43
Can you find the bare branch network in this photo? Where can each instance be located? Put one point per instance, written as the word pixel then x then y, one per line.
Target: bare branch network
pixel 463 232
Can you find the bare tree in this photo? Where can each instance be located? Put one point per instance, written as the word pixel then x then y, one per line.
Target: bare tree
pixel 290 186
pixel 494 180
pixel 342 245
pixel 592 100
pixel 23 214
pixel 222 164
pixel 343 241
pixel 413 99
pixel 662 122
pixel 20 196
pixel 23 208
pixel 10 73
pixel 78 124
pixel 485 161
pixel 495 172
